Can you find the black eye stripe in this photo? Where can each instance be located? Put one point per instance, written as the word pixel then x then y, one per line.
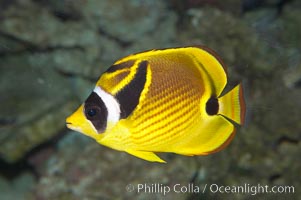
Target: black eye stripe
pixel 99 118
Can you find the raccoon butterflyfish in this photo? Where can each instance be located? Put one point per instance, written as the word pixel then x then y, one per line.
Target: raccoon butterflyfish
pixel 162 101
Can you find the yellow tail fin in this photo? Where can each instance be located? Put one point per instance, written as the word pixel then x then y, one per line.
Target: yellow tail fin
pixel 232 105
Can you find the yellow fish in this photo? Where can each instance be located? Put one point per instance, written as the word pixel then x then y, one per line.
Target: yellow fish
pixel 162 101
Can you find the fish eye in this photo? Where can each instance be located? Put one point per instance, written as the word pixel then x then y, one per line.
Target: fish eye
pixel 91 112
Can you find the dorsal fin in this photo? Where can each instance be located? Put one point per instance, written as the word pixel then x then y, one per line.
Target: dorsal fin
pixel 128 97
pixel 120 66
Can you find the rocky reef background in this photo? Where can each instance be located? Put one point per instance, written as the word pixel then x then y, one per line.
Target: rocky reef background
pixel 52 52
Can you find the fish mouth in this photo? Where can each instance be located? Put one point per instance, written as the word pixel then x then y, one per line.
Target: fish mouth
pixel 73 127
pixel 69 125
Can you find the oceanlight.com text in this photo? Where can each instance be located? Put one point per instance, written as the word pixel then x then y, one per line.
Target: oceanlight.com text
pixel 251 189
pixel 158 188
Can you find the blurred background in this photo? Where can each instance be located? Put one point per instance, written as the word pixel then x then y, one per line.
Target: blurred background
pixel 53 52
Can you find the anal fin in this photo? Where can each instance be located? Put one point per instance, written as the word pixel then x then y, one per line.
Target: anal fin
pixel 146 155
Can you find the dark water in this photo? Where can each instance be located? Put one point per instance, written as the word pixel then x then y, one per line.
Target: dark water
pixel 52 53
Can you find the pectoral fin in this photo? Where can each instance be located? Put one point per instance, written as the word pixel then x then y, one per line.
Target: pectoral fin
pixel 146 155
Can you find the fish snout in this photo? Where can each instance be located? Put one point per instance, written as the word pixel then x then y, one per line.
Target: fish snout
pixel 69 124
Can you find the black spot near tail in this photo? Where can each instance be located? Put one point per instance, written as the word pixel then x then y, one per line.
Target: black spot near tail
pixel 128 97
pixel 212 106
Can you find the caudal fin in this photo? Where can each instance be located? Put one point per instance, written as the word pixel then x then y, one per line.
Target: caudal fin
pixel 232 105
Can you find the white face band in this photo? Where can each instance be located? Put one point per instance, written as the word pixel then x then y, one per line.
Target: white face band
pixel 111 104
